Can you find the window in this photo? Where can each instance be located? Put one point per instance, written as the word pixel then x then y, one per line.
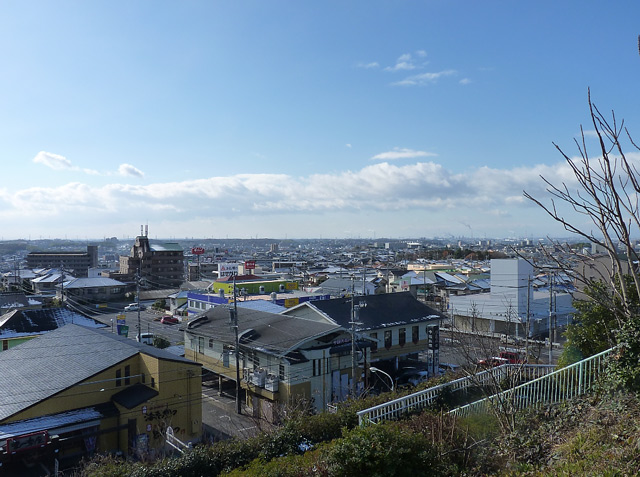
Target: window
pixel 281 372
pixel 402 336
pixel 200 344
pixel 5 345
pixel 127 375
pixel 317 367
pixel 374 345
pixel 118 377
pixel 387 339
pixel 210 342
pixel 415 334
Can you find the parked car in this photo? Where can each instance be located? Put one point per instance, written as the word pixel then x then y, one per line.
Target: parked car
pixel 169 320
pixel 146 338
pixel 412 377
pixel 134 307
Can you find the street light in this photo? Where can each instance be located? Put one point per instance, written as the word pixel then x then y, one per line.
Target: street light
pixel 373 369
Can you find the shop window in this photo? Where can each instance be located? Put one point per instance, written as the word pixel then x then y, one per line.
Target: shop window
pixel 387 339
pixel 118 377
pixel 415 334
pixel 402 336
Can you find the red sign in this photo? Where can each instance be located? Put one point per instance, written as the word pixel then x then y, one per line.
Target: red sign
pixel 250 265
pixel 197 250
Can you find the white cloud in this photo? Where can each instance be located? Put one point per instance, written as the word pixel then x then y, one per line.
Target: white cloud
pixel 406 62
pixel 129 170
pixel 424 78
pixel 53 161
pixel 465 81
pixel 397 197
pixel 348 145
pixel 368 66
pixel 401 153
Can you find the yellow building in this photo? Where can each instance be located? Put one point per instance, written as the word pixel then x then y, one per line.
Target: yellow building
pixel 76 391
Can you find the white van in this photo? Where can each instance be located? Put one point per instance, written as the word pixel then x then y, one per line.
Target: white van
pixel 146 338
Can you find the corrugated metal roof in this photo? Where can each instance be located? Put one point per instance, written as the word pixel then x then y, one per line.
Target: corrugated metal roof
pixel 92 283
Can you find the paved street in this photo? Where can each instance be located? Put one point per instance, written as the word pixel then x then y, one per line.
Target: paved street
pixel 149 321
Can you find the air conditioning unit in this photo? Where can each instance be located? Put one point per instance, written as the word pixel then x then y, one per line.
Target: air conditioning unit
pixel 271 383
pixel 258 377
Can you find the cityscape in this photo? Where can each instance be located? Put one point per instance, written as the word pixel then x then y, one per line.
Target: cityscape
pixel 278 238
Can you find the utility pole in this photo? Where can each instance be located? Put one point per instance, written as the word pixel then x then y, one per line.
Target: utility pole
pixel 550 317
pixel 528 318
pixel 234 323
pixel 139 336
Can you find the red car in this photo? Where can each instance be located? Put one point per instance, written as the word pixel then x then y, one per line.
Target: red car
pixel 169 320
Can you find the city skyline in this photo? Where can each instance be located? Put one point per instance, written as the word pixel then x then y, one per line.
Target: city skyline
pixel 293 120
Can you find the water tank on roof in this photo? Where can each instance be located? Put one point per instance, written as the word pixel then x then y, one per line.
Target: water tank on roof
pixel 274 296
pixel 261 289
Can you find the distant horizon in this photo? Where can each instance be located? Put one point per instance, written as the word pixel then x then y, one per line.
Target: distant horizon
pixel 400 239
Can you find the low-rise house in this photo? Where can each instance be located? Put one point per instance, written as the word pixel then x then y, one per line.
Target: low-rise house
pixel 75 391
pixel 283 359
pixel 18 326
pixel 399 325
pixel 92 290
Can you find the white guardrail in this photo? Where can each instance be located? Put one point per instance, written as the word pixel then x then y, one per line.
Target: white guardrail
pixel 560 385
pixel 422 399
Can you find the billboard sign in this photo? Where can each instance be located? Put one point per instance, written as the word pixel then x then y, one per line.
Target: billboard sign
pixel 250 265
pixel 227 269
pixel 197 250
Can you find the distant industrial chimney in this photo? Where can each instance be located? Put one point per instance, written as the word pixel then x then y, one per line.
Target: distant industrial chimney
pixel 146 230
pixel 141 231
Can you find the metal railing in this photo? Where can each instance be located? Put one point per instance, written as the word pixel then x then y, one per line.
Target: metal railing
pixel 422 399
pixel 560 385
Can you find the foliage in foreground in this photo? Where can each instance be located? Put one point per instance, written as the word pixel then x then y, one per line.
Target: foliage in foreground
pixel 594 436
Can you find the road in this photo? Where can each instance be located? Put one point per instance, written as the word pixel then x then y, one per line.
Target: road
pixel 149 321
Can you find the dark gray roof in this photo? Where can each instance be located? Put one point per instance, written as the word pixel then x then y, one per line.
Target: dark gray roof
pixel 55 361
pixel 269 332
pixel 135 395
pixel 387 309
pixel 30 322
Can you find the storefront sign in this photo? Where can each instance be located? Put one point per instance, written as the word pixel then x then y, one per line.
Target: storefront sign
pixel 27 441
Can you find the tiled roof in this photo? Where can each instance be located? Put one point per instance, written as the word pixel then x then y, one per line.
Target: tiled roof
pixel 269 332
pixel 387 309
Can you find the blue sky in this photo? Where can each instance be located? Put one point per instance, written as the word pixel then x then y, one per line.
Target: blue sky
pixel 300 119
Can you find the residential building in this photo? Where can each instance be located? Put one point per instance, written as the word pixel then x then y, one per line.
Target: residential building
pixel 97 392
pixel 80 291
pixel 18 326
pixel 75 263
pixel 283 359
pixel 398 325
pixel 160 265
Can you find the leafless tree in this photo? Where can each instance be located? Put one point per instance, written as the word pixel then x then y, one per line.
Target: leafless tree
pixel 608 184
